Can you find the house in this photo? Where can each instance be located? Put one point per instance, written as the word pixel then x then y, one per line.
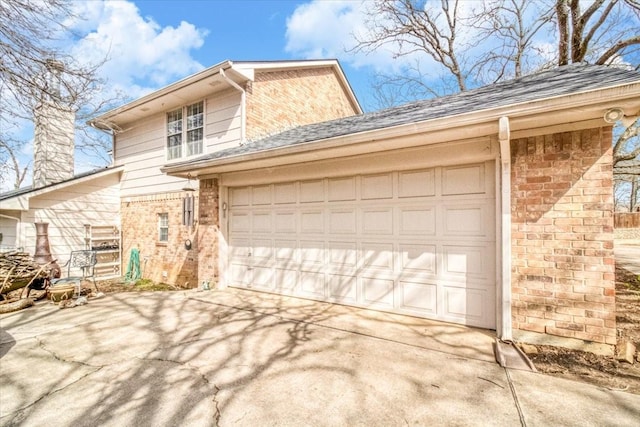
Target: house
pixel 491 208
pixel 223 106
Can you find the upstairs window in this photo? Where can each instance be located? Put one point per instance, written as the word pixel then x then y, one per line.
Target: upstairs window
pixel 185 131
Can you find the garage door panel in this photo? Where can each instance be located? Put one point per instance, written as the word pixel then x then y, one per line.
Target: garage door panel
pixel 343 289
pixel 419 242
pixel 377 221
pixel 312 221
pixel 286 222
pixel 465 305
pixel 342 189
pixel 261 222
pixel 312 284
pixel 263 278
pixel 240 274
pixel 286 280
pixel 343 254
pixel 418 257
pixel 419 297
pixel 378 292
pixel 239 249
pixel 342 221
pixel 286 251
pixel 466 220
pixel 312 253
pixel 286 193
pixel 261 195
pixel 262 249
pixel 467 262
pixel 312 191
pixel 463 180
pixel 240 222
pixel 417 183
pixel 239 197
pixel 378 255
pixel 377 187
pixel 417 221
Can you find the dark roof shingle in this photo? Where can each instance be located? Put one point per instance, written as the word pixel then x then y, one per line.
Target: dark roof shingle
pixel 559 81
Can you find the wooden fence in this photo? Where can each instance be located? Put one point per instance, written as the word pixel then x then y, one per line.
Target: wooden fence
pixel 626 219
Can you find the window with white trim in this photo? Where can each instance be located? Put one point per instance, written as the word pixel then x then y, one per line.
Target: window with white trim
pixel 163 227
pixel 185 131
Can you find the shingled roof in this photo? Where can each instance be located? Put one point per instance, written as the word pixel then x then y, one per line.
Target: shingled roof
pixel 553 83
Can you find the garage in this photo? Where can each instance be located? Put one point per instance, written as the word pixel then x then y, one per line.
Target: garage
pixel 420 242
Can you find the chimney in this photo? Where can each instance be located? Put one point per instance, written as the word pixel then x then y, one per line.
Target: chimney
pixel 53 143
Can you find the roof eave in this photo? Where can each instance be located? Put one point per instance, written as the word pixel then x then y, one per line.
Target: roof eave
pixel 588 105
pixel 20 202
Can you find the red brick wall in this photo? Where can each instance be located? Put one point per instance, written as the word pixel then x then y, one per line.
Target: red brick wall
pixel 562 235
pixel 280 100
pixel 140 228
pixel 208 226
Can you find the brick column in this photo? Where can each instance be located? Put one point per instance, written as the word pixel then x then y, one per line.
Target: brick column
pixel 208 226
pixel 563 280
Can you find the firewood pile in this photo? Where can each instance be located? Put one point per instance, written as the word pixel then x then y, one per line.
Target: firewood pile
pixel 18 269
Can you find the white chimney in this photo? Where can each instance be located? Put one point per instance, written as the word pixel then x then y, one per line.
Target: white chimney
pixel 53 144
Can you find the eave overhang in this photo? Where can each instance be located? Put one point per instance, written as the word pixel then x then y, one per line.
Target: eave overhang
pixel 20 202
pixel 545 115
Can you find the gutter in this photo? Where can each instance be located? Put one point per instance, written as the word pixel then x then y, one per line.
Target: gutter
pixel 243 105
pixel 504 298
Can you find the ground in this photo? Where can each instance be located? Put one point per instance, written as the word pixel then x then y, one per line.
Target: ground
pixel 601 370
pixel 570 364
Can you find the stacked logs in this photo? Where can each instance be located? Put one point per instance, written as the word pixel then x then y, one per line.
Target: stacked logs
pixel 18 269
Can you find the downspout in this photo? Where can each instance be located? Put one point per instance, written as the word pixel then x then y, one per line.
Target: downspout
pixel 18 221
pixel 504 135
pixel 243 105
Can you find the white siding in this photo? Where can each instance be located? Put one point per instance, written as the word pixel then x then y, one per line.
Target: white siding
pixel 141 147
pixel 95 202
pixel 8 228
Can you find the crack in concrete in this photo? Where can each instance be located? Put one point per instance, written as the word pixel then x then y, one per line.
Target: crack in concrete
pixel 217 414
pixel 19 414
pixel 523 422
pixel 41 344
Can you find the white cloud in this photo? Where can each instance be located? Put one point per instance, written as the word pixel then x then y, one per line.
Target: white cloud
pixel 327 29
pixel 141 54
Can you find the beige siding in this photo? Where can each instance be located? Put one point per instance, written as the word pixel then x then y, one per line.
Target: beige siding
pixel 141 147
pixel 96 202
pixel 8 229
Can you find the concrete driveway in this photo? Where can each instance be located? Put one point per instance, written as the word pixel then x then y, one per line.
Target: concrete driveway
pixel 240 358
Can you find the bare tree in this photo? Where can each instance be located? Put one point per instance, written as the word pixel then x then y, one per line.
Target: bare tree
pixel 455 45
pixel 32 33
pixel 452 49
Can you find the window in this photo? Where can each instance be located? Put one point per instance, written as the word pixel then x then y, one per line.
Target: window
pixel 185 139
pixel 163 227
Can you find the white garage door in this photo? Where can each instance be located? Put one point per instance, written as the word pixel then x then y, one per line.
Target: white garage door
pixel 418 242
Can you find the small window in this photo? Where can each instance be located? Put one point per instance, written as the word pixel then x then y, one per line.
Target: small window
pixel 189 134
pixel 163 227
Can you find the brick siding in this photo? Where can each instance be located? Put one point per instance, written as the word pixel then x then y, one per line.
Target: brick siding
pixel 563 279
pixel 281 100
pixel 140 228
pixel 208 228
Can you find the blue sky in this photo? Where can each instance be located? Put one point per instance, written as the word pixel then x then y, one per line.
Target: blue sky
pixel 153 43
pixel 189 35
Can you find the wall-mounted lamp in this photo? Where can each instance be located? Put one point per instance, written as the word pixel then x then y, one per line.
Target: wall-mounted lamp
pixel 613 115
